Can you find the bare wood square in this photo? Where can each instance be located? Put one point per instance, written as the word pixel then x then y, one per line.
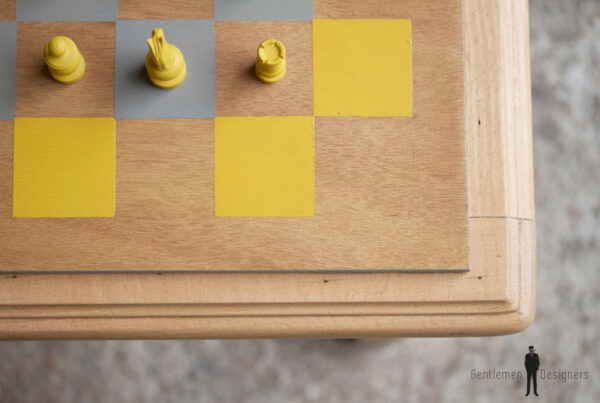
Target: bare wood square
pixel 165 10
pixel 7 10
pixel 38 95
pixel 240 93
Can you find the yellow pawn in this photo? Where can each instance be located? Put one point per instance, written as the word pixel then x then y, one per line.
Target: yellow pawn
pixel 270 61
pixel 64 61
pixel 164 62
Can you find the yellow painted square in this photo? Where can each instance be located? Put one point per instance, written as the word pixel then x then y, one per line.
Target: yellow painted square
pixel 362 67
pixel 264 166
pixel 64 167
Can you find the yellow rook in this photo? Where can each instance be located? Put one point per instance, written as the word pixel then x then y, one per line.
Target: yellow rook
pixel 270 61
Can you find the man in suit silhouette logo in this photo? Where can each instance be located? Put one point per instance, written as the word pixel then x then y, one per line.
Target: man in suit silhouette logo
pixel 532 363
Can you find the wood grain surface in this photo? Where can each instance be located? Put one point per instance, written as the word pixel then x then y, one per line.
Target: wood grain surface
pixel 165 10
pixel 38 95
pixel 7 10
pixel 239 93
pixel 497 296
pixel 6 170
pixel 499 186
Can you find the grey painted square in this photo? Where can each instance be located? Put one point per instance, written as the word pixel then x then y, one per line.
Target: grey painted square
pixel 137 98
pixel 67 10
pixel 8 69
pixel 264 10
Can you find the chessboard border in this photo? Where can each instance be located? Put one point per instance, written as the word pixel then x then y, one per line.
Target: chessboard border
pixel 496 297
pixel 444 167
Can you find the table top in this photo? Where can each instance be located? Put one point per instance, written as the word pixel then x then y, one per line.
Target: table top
pixel 411 209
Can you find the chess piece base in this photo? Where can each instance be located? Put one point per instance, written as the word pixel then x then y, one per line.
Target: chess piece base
pixel 70 78
pixel 164 78
pixel 269 79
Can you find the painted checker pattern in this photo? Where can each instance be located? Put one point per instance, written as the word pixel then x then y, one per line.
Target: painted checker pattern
pixel 8 48
pixel 67 10
pixel 348 166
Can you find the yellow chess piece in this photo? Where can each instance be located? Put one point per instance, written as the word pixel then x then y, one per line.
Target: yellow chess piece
pixel 270 61
pixel 64 61
pixel 164 62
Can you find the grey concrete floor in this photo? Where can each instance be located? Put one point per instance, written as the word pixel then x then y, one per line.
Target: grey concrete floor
pixel 565 54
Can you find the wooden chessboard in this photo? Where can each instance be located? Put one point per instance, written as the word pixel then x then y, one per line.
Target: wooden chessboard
pixel 383 187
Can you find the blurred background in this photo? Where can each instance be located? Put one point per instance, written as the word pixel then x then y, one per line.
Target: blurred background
pixel 565 59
